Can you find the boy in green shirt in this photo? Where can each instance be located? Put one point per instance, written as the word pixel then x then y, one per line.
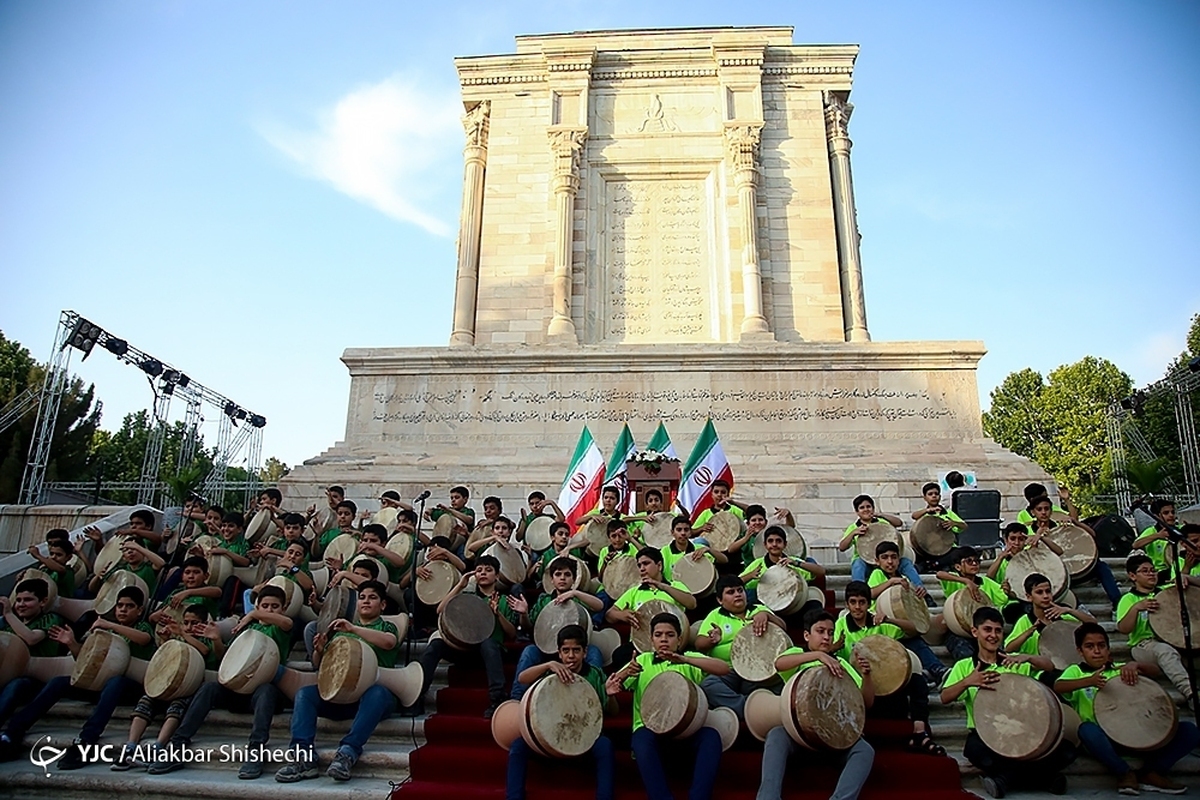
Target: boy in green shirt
pixel 969 676
pixel 818 654
pixel 665 633
pixel 1032 492
pixel 28 620
pixel 947 519
pixel 1078 685
pixel 570 667
pixel 681 545
pixel 775 540
pixel 1154 541
pixel 1043 524
pixel 54 563
pixel 1027 631
pixel 966 577
pixel 864 507
pixel 1133 619
pixel 193 589
pixel 652 587
pixel 135 558
pixel 346 511
pixel 717 632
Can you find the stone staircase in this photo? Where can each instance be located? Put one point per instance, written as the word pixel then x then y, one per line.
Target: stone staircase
pixel 386 760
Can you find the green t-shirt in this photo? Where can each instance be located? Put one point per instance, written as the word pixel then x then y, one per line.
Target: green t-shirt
pixel 237 545
pixel 209 603
pixel 470 512
pixel 65 581
pixel 849 633
pixel 795 651
pixel 709 512
pixel 1030 645
pixel 765 562
pixel 504 609
pixel 966 666
pixel 1026 519
pixel 730 625
pixel 386 657
pixel 550 554
pixel 328 536
pixel 992 590
pixel 1141 628
pixel 145 571
pixel 1083 700
pixel 670 558
pixel 142 651
pixel 212 660
pixel 282 638
pixel 652 666
pixel 630 550
pixel 636 596
pixel 1157 551
pixel 44 622
pixel 281 543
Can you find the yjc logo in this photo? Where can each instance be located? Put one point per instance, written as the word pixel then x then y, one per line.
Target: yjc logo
pixel 43 754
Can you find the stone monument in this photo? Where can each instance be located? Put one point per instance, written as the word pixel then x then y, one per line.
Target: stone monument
pixel 660 225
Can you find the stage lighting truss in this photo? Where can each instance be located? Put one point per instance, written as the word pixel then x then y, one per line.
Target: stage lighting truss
pixel 76 333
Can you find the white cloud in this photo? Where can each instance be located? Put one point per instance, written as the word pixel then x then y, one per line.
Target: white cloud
pixel 382 145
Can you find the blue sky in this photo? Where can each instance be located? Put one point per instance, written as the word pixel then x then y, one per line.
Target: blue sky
pixel 246 189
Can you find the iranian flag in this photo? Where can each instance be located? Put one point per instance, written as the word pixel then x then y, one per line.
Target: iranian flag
pixel 623 450
pixel 660 442
pixel 581 487
pixel 706 464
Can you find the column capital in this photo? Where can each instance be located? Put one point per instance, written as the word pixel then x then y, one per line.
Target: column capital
pixel 741 143
pixel 476 122
pixel 837 114
pixel 567 146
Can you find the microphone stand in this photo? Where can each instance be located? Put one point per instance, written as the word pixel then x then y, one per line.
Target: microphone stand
pixel 1173 537
pixel 412 580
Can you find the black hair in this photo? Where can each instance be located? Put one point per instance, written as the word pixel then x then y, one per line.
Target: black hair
pixel 1034 490
pixel 775 530
pixel 234 518
pixel 1136 560
pixel 858 501
pixel 144 515
pixel 654 492
pixel 652 553
pixel 753 509
pixel 1016 527
pixel 492 499
pixel 198 609
pixel 728 582
pixel 681 520
pixel 378 586
pixel 369 564
pixel 955 479
pixel 62 544
pixel 1034 579
pixel 271 590
pixel 35 586
pixel 886 546
pixel 293 519
pixel 376 529
pixel 666 618
pixel 858 589
pixel 613 525
pixel 931 485
pixel 133 593
pixel 986 614
pixel 464 491
pixel 348 504
pixel 563 562
pixel 488 561
pixel 274 494
pixel 572 633
pixel 196 561
pixel 1159 503
pixel 815 616
pixel 1089 627
pixel 536 495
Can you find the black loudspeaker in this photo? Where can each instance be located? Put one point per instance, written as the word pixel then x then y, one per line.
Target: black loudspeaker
pixel 980 509
pixel 1114 534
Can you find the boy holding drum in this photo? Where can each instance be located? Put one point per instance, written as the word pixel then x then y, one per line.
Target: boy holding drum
pixel 29 620
pixel 1133 618
pixel 1078 685
pixel 864 507
pixel 1026 633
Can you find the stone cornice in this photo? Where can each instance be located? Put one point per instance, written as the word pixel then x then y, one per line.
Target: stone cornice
pixel 775 356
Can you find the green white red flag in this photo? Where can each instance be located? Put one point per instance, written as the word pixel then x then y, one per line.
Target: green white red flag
pixel 616 472
pixel 580 492
pixel 660 442
pixel 706 464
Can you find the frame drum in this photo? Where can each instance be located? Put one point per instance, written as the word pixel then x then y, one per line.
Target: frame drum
pixel 104 655
pixel 794 546
pixel 506 723
pixel 1020 718
pixel 37 575
pixel 219 567
pixel 725 722
pixel 583 575
pixel 890 665
pixel 176 670
pixel 619 575
pixel 1071 723
pixel 110 554
pixel 1079 548
pixel 512 563
pixel 348 668
pixel 343 548
pixel 930 538
pixel 1166 622
pixel 596 533
pixel 698 575
pixel 387 518
pixel 606 640
pixel 822 712
pixel 259 524
pixel 782 589
pixel 81 570
pixel 561 720
pixel 401 544
pixel 877 532
pixel 537 533
pixel 553 618
pixel 466 621
pixel 762 713
pixel 434 590
pixel 726 529
pixel 293 595
pixel 106 598
pixel 959 611
pixel 901 602
pixel 753 657
pixel 1140 717
pixel 640 636
pixel 1040 560
pixel 445 525
pixel 657 534
pixel 673 706
pixel 334 606
pixel 1057 643
pixel 250 661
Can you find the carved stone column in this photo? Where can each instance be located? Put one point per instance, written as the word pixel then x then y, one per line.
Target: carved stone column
pixel 854 305
pixel 741 140
pixel 470 225
pixel 567 146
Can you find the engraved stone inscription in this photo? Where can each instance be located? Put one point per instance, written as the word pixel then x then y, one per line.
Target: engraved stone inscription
pixel 658 276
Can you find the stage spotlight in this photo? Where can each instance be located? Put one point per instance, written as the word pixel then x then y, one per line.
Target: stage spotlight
pixel 168 389
pixel 118 347
pixel 258 420
pixel 152 367
pixel 184 380
pixel 84 336
pixel 1127 403
pixel 1194 364
pixel 170 376
pixel 231 409
pixel 241 413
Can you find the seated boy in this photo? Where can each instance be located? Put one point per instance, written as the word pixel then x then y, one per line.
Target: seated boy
pixel 140 637
pixel 55 563
pixel 346 511
pixel 864 507
pixel 1133 619
pixel 28 619
pixel 756 523
pixel 717 632
pixel 775 540
pixel 141 526
pixel 1078 685
pixel 681 545
pixel 1154 540
pixel 1042 524
pixel 947 519
pixel 193 589
pixel 136 559
pixel 982 589
pixel 376 704
pixel 562 577
pixel 1027 630
pixel 817 654
pixel 570 667
pixel 489 652
pixel 652 587
pixel 191 630
pixel 913 701
pixel 266 617
pixel 665 633
pixel 964 681
pixel 363 570
pixel 561 544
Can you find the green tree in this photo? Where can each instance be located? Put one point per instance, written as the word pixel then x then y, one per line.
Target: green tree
pixel 273 470
pixel 1155 416
pixel 1059 422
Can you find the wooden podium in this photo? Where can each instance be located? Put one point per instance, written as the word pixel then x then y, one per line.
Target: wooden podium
pixel 641 478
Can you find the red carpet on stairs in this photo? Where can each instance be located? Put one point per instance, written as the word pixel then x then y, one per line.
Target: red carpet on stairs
pixel 460 760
